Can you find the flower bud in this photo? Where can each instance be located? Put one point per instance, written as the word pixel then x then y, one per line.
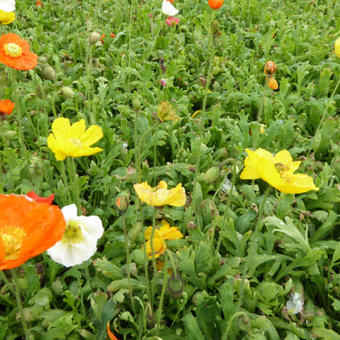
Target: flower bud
pixel 270 67
pixel 94 37
pixel 122 203
pixel 67 92
pixel 49 73
pixel 272 84
pixel 175 286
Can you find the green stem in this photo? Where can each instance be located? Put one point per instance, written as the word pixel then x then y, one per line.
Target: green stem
pixel 173 265
pixel 138 148
pixel 72 171
pixel 230 322
pixel 21 310
pixel 4 277
pixel 161 301
pixel 128 261
pixel 153 253
pixel 63 174
pixel 211 56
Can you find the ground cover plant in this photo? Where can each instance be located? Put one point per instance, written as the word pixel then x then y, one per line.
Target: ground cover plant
pixel 170 169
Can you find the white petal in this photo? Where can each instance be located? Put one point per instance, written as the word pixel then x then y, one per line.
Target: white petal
pixel 72 254
pixel 169 9
pixel 92 226
pixel 7 5
pixel 69 212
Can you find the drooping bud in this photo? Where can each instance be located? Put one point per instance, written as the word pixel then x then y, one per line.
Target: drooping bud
pixel 67 92
pixel 270 67
pixel 122 203
pixel 49 73
pixel 175 286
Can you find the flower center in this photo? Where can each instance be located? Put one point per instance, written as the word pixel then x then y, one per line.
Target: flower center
pixel 73 233
pixel 13 238
pixel 13 50
pixel 76 142
pixel 281 168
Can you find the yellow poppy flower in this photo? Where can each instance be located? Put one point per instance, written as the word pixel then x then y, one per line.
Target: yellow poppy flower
pixel 337 47
pixel 72 140
pixel 6 17
pixel 165 232
pixel 166 111
pixel 278 171
pixel 160 195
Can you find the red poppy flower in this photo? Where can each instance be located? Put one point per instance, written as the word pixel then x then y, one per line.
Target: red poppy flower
pixel 6 107
pixel 27 228
pixel 102 38
pixel 215 4
pixel 39 199
pixel 39 4
pixel 112 35
pixel 15 53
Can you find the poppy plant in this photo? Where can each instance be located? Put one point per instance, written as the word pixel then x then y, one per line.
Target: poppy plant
pixel 73 140
pixel 27 228
pixel 278 171
pixel 15 53
pixel 160 195
pixel 6 107
pixel 215 4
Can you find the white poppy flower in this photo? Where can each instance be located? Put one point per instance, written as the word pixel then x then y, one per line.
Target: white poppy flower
pixel 169 9
pixel 79 241
pixel 295 303
pixel 7 5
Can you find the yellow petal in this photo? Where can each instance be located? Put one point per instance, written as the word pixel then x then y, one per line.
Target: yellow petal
pixel 77 129
pixel 52 144
pixel 92 135
pixel 60 128
pixel 160 197
pixel 297 184
pixel 162 185
pixel 177 197
pixel 159 247
pixel 79 152
pixel 143 191
pixel 170 233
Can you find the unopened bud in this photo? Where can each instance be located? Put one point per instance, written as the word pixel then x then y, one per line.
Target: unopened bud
pixel 67 92
pixel 270 67
pixel 94 37
pixel 175 286
pixel 122 203
pixel 272 84
pixel 49 73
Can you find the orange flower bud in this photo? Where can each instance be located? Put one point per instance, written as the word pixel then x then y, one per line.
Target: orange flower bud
pixel 270 67
pixel 272 83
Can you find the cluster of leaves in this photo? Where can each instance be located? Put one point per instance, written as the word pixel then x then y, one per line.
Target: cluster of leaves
pixel 237 269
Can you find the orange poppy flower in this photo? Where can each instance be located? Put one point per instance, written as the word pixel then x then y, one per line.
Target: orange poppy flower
pixel 39 4
pixel 272 84
pixel 15 53
pixel 6 107
pixel 215 4
pixel 27 228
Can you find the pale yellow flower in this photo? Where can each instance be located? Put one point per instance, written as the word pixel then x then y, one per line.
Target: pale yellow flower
pixel 165 232
pixel 160 195
pixel 73 140
pixel 278 171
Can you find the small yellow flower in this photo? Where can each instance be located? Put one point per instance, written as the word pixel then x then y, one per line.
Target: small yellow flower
pixel 6 17
pixel 160 195
pixel 337 47
pixel 66 140
pixel 165 232
pixel 278 171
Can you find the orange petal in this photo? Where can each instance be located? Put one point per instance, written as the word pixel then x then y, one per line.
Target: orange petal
pixel 109 333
